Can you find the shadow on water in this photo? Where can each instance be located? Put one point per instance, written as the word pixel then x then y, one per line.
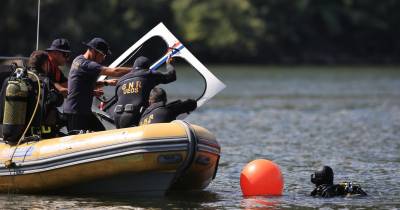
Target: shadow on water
pixel 175 200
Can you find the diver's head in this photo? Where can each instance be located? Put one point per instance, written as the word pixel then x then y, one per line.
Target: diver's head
pixel 39 61
pixel 323 175
pixel 157 95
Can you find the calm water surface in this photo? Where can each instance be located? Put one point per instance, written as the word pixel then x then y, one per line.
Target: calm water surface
pixel 299 117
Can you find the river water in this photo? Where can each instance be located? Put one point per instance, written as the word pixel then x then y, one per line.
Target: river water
pixel 299 117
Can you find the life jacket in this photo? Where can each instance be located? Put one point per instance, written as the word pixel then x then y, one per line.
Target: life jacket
pixel 161 112
pixel 134 88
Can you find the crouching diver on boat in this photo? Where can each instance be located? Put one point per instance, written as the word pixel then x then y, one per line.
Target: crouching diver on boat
pixel 133 91
pixel 28 109
pixel 324 187
pixel 160 112
pixel 83 85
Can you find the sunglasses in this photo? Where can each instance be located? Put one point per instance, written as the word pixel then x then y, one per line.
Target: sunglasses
pixel 65 55
pixel 101 53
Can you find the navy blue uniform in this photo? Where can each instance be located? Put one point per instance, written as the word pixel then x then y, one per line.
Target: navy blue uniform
pixel 161 113
pixel 78 105
pixel 133 90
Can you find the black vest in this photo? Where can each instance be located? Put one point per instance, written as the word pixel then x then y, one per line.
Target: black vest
pixel 162 113
pixel 133 90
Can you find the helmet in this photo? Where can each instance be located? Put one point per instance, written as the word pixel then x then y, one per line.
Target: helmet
pixel 322 176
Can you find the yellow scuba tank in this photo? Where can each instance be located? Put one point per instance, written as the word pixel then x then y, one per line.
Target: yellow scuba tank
pixel 15 107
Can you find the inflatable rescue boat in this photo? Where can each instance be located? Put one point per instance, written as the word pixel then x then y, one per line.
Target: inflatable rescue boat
pixel 146 160
pixel 151 159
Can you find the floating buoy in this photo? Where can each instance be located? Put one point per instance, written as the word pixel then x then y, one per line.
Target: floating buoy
pixel 261 177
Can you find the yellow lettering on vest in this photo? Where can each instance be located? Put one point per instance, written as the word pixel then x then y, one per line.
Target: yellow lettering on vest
pixel 46 129
pixel 132 87
pixel 147 120
pixel 124 89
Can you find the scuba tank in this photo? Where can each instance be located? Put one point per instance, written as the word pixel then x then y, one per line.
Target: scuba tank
pixel 15 105
pixel 23 90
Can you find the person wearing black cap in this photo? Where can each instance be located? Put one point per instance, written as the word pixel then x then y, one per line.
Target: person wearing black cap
pixel 161 112
pixel 82 82
pixel 133 91
pixel 324 187
pixel 59 52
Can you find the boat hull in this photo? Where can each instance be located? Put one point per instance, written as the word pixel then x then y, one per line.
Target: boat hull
pixel 145 160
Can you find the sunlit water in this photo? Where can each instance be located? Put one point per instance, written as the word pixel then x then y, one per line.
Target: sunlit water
pixel 301 118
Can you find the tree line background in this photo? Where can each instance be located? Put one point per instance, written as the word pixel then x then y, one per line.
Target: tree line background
pixel 234 31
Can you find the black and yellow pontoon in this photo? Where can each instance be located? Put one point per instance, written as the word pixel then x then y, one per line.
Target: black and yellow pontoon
pixel 151 159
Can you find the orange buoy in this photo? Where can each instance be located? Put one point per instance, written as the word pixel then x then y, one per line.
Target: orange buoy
pixel 261 177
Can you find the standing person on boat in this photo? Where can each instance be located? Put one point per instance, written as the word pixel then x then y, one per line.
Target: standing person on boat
pixel 161 112
pixel 133 90
pixel 59 53
pixel 324 187
pixel 82 81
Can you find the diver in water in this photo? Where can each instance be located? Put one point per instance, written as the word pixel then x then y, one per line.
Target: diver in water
pixel 324 187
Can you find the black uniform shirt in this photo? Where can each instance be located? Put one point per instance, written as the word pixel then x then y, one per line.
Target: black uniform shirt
pixel 81 83
pixel 161 113
pixel 134 88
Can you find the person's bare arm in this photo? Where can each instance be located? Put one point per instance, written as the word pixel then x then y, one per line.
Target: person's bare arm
pixel 62 88
pixel 106 82
pixel 114 72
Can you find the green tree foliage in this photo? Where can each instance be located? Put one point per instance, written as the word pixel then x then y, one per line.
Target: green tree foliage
pixel 331 31
pixel 264 31
pixel 219 27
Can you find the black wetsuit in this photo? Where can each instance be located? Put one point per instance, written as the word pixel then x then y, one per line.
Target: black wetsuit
pixel 342 189
pixel 45 121
pixel 133 90
pixel 161 112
